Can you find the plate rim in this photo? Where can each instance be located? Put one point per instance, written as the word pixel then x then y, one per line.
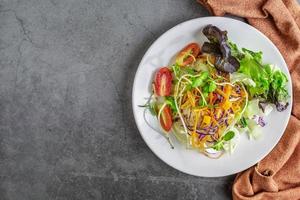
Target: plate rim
pixel 208 18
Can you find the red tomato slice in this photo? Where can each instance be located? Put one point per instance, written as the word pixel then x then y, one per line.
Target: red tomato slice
pixel 184 57
pixel 166 118
pixel 163 82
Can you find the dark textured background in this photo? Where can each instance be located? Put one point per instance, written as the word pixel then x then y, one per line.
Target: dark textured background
pixel 66 124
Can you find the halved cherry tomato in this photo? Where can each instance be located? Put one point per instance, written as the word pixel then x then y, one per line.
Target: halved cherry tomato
pixel 188 54
pixel 166 118
pixel 163 82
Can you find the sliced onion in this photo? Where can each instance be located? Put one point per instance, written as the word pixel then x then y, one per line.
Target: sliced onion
pixel 200 132
pixel 226 122
pixel 201 136
pixel 259 120
pixel 222 115
pixel 211 153
pixel 213 130
pixel 234 98
pixel 238 89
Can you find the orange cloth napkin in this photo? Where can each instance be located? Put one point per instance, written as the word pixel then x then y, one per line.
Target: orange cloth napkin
pixel 277 176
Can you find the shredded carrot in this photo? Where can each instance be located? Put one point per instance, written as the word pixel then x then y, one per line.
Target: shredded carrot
pixel 236 107
pixel 191 98
pixel 226 105
pixel 200 109
pixel 227 90
pixel 194 140
pixel 211 96
pixel 221 92
pixel 206 120
pixel 185 105
pixel 196 120
pixel 215 122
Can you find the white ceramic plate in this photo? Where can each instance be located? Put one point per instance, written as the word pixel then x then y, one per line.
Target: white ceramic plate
pixel 248 152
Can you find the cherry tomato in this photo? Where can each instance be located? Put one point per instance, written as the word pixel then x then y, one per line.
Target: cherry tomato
pixel 166 118
pixel 188 54
pixel 163 82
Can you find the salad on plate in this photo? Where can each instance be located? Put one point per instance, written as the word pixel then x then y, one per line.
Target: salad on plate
pixel 213 93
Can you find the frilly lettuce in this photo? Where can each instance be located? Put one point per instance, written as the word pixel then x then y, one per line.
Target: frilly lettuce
pixel 179 132
pixel 270 82
pixel 252 109
pixel 240 77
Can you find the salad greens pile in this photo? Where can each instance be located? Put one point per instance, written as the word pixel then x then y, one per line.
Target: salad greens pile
pixel 212 94
pixel 269 81
pixel 264 81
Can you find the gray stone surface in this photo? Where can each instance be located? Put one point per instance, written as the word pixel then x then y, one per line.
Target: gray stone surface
pixel 66 125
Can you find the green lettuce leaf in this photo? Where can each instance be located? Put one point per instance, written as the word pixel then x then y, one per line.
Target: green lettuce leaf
pixel 240 77
pixel 251 67
pixel 263 81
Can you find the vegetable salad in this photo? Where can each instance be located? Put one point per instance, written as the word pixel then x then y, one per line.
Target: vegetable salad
pixel 214 93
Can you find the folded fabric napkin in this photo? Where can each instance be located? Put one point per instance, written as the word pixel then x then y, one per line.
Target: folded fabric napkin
pixel 277 176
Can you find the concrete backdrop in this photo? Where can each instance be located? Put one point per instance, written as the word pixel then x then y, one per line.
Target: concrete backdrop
pixel 66 124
